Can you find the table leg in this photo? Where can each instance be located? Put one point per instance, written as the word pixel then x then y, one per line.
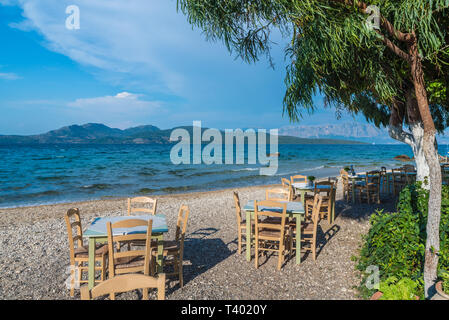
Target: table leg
pixel 248 236
pixel 333 207
pixel 91 267
pixel 303 197
pixel 298 239
pixel 160 253
pixel 353 191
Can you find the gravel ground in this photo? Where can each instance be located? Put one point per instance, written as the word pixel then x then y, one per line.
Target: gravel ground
pixel 34 253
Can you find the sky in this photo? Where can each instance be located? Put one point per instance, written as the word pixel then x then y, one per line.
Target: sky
pixel 131 63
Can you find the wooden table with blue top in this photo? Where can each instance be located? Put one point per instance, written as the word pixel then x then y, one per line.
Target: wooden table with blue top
pixel 302 188
pixel 97 232
pixel 294 210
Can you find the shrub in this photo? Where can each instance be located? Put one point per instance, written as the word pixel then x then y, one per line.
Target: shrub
pixel 396 241
pixel 394 289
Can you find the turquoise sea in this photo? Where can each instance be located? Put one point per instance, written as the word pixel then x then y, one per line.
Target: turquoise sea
pixel 42 174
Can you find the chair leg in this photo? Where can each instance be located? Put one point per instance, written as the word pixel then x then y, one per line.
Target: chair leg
pixel 256 253
pixel 181 278
pixel 240 242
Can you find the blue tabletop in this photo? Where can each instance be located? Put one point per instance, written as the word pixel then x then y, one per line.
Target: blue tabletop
pixel 98 227
pixel 292 207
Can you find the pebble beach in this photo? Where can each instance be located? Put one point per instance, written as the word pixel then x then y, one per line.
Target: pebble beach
pixel 34 252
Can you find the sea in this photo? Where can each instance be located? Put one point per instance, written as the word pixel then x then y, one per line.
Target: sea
pixel 47 174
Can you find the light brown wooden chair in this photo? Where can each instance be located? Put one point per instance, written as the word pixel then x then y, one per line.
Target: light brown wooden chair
pixel 309 229
pixel 270 236
pixel 278 194
pixel 398 180
pixel 327 191
pixel 142 209
pixel 409 178
pixel 370 190
pixel 298 179
pixel 288 185
pixel 241 222
pixel 384 179
pixel 132 260
pixel 347 185
pixel 79 257
pixel 175 249
pixel 124 283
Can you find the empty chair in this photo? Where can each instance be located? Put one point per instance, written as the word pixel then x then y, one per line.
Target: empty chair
pixel 270 236
pixel 175 249
pixel 132 260
pixel 241 223
pixel 79 252
pixel 347 185
pixel 309 229
pixel 327 191
pixel 142 209
pixel 288 185
pixel 384 179
pixel 278 194
pixel 124 283
pixel 298 179
pixel 408 171
pixel 370 190
pixel 398 180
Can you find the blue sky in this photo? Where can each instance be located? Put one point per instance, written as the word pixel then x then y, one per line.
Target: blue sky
pixel 131 63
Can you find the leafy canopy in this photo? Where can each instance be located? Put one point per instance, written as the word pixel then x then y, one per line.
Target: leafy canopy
pixel 331 50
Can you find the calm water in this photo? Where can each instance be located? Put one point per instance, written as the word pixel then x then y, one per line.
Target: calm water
pixel 32 175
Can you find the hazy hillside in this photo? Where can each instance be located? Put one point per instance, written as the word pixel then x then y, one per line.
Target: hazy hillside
pixel 102 134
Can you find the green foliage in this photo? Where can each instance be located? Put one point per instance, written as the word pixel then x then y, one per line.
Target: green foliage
pixel 311 178
pixel 404 289
pixel 330 50
pixel 444 276
pixel 396 241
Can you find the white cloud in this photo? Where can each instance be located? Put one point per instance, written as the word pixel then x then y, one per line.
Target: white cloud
pixel 144 41
pixel 9 76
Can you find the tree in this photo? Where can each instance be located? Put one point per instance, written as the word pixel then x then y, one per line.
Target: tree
pixel 395 73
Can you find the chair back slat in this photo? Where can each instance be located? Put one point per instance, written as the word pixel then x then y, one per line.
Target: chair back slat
pixel 273 209
pixel 142 200
pixel 124 283
pixel 181 224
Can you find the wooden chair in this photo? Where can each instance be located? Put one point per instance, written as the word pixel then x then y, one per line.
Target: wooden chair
pixel 347 185
pixel 79 254
pixel 288 185
pixel 132 260
pixel 309 229
pixel 270 236
pixel 175 248
pixel 409 178
pixel 327 191
pixel 278 194
pixel 370 190
pixel 241 222
pixel 298 179
pixel 124 283
pixel 141 201
pixel 384 179
pixel 398 180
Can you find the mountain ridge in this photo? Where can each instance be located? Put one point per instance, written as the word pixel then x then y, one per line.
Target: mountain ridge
pixel 98 133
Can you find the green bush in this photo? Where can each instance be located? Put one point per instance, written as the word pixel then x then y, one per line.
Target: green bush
pixel 396 241
pixel 395 289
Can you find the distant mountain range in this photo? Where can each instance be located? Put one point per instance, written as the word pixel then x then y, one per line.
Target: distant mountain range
pixel 95 133
pixel 347 131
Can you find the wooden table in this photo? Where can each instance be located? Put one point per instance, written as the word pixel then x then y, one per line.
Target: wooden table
pixel 294 210
pixel 303 188
pixel 97 232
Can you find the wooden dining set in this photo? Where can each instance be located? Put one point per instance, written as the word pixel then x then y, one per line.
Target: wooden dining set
pixel 128 251
pixel 371 185
pixel 287 220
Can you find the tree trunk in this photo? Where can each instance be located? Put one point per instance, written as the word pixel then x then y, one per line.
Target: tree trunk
pixel 430 153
